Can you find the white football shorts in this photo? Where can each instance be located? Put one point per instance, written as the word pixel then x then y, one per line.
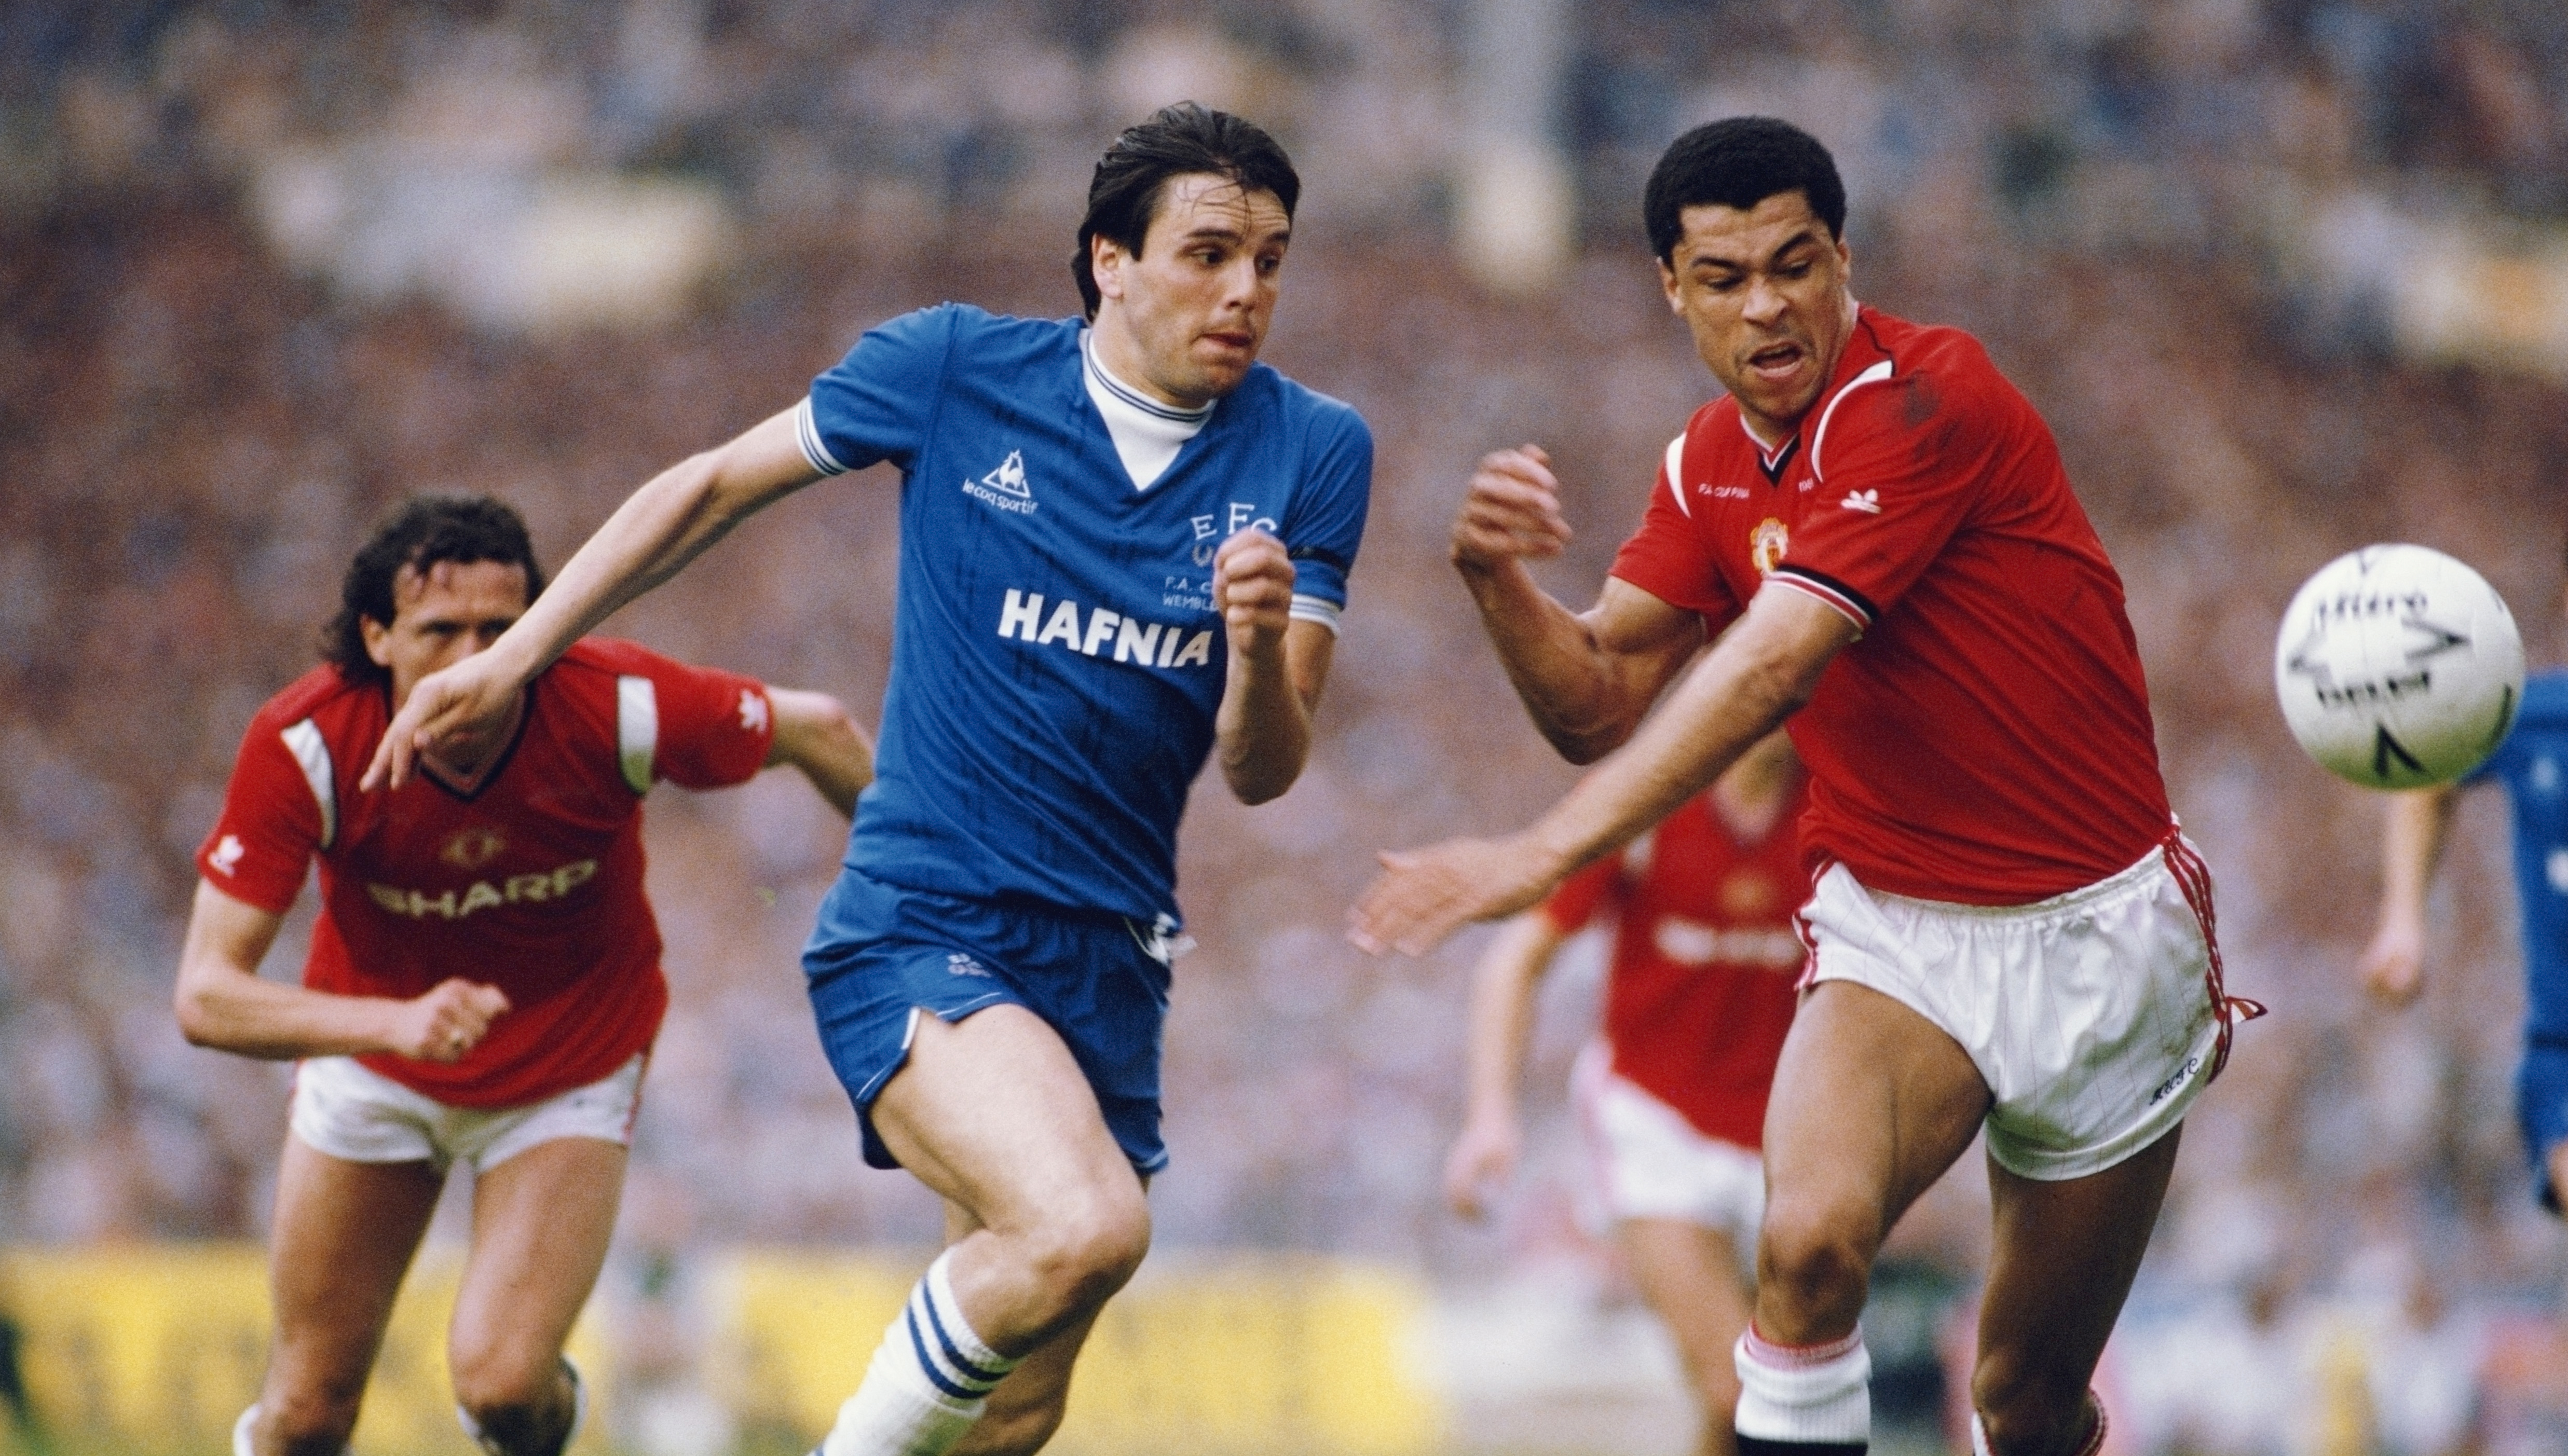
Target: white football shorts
pixel 359 1115
pixel 2096 1017
pixel 1649 1162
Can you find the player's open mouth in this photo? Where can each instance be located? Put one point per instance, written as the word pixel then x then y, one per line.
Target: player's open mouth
pixel 1242 342
pixel 1775 360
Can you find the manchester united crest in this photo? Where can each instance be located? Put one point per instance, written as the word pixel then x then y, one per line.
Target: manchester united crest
pixel 469 849
pixel 1765 544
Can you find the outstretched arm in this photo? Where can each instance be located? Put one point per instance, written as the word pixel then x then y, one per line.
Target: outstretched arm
pixel 815 735
pixel 1277 668
pixel 659 529
pixel 1586 677
pixel 223 1003
pixel 1502 988
pixel 2415 825
pixel 1760 673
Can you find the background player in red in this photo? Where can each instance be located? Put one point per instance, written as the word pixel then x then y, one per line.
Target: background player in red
pixel 2007 931
pixel 1671 1095
pixel 483 983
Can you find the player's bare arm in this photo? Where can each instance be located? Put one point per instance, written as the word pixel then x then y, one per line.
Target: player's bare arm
pixel 1277 668
pixel 817 737
pixel 1759 673
pixel 225 1004
pixel 2414 826
pixel 661 527
pixel 1502 1019
pixel 1585 677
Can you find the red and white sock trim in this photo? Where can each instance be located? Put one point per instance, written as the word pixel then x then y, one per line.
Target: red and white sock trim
pixel 1797 1357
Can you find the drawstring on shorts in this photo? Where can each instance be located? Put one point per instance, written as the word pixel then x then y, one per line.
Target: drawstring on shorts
pixel 2194 878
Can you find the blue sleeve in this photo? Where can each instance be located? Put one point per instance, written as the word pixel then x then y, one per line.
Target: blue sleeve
pixel 875 403
pixel 1326 519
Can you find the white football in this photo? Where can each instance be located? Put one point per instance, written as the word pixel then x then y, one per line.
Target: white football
pixel 2399 667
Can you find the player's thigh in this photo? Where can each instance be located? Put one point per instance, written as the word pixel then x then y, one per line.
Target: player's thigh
pixel 1872 1102
pixel 541 1221
pixel 2062 1258
pixel 993 1113
pixel 1691 1276
pixel 343 1236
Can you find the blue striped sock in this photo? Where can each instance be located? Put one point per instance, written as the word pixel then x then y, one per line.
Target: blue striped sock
pixel 928 1384
pixel 956 1360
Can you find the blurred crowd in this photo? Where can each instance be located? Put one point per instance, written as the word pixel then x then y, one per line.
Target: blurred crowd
pixel 257 282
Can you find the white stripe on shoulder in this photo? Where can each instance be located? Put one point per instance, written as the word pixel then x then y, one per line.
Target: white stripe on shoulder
pixel 1308 607
pixel 1676 474
pixel 1872 375
pixel 303 740
pixel 806 432
pixel 637 729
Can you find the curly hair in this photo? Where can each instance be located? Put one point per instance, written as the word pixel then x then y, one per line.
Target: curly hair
pixel 1738 163
pixel 424 531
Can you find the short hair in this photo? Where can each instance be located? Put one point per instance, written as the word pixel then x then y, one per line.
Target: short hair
pixel 424 531
pixel 1738 162
pixel 1123 195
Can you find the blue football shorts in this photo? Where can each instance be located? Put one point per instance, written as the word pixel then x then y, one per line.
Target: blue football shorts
pixel 881 955
pixel 2542 1106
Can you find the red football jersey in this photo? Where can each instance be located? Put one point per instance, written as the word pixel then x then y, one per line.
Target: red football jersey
pixel 1988 740
pixel 1700 989
pixel 532 883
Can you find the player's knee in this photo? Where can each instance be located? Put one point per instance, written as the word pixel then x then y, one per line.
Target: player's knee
pixel 501 1385
pixel 1088 1249
pixel 1814 1259
pixel 2026 1409
pixel 315 1422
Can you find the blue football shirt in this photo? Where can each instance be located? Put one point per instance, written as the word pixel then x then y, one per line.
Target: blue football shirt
pixel 1057 661
pixel 2533 762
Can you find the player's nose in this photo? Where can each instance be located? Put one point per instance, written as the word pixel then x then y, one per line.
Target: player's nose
pixel 1764 300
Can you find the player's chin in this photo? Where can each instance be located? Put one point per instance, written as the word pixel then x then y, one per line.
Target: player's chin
pixel 1788 399
pixel 1220 364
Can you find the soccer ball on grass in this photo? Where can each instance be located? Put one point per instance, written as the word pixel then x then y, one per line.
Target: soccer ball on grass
pixel 2399 667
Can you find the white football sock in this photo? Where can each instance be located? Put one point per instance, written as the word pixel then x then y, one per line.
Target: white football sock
pixel 928 1384
pixel 1811 1392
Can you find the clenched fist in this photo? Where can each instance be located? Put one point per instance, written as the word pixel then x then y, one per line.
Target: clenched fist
pixel 447 1022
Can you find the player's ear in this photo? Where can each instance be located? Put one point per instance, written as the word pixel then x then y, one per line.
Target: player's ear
pixel 1106 260
pixel 379 641
pixel 1668 285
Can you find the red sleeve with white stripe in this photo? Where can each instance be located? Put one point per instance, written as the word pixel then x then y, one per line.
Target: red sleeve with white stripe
pixel 1902 462
pixel 271 824
pixel 1668 556
pixel 712 728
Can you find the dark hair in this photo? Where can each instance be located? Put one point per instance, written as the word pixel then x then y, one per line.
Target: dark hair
pixel 1738 163
pixel 426 530
pixel 1186 137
